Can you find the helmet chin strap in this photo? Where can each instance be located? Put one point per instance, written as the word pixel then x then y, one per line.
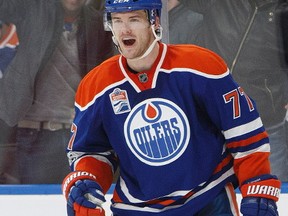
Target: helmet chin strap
pixel 150 48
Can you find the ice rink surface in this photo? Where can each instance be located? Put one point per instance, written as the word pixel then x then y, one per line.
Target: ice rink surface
pixel 47 200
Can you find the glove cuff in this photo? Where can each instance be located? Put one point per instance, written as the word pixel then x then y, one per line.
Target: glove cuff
pixel 72 177
pixel 268 188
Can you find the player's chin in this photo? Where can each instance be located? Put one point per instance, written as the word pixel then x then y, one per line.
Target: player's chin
pixel 129 56
pixel 128 53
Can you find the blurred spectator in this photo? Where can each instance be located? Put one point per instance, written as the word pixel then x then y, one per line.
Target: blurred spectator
pixel 248 35
pixel 60 41
pixel 97 4
pixel 8 46
pixel 184 23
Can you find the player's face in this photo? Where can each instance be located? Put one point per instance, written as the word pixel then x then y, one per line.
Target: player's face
pixel 133 32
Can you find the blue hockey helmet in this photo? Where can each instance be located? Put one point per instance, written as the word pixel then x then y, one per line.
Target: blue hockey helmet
pixel 153 7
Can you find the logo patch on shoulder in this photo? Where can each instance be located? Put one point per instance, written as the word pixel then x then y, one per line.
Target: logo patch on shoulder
pixel 157 131
pixel 119 101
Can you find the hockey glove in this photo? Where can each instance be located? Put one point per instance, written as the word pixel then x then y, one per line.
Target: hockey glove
pixel 83 194
pixel 260 195
pixel 251 206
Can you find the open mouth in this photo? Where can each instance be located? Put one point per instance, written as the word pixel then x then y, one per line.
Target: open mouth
pixel 128 42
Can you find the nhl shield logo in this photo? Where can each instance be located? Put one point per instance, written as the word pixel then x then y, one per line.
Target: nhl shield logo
pixel 119 101
pixel 143 78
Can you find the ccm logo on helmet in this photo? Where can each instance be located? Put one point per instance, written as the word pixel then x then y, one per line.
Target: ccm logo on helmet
pixel 120 1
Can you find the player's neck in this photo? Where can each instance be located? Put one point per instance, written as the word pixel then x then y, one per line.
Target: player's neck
pixel 145 63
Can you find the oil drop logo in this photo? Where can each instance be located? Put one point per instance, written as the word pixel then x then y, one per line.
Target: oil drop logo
pixel 157 131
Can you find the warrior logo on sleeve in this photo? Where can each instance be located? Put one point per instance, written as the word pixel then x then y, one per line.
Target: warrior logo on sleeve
pixel 157 131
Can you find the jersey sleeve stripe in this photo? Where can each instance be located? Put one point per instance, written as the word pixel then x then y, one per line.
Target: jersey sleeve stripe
pixel 232 199
pixel 223 163
pixel 262 148
pixel 189 70
pixel 248 141
pixel 243 129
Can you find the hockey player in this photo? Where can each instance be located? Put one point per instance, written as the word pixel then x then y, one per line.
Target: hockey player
pixel 182 132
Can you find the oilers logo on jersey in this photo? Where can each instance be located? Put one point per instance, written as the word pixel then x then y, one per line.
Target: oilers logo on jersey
pixel 157 131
